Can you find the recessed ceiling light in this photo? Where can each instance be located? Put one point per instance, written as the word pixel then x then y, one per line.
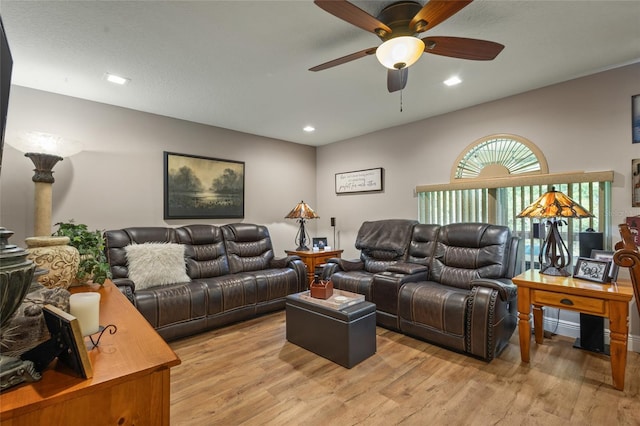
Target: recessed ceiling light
pixel 309 129
pixel 117 79
pixel 453 81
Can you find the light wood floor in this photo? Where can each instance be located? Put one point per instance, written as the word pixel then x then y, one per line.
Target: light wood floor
pixel 249 374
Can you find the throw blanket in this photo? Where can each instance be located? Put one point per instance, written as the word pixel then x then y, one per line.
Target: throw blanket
pixel 388 235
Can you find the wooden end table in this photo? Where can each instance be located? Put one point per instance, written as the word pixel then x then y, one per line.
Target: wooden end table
pixel 609 300
pixel 130 384
pixel 314 258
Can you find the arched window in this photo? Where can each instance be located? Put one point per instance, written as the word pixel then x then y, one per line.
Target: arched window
pixel 499 156
pixel 497 176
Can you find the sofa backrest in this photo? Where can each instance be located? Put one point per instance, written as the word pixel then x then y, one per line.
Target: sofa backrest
pixel 205 252
pixel 384 242
pixel 466 251
pixel 117 240
pixel 423 243
pixel 248 247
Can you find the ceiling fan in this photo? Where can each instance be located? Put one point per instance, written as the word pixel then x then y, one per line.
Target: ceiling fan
pixel 397 25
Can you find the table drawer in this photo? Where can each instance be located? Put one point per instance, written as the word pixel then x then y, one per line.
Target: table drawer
pixel 568 301
pixel 323 259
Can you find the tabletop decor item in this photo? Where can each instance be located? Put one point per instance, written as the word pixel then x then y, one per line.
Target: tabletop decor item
pixel 16 275
pixel 56 257
pixel 92 262
pixel 302 212
pixel 592 269
pixel 321 289
pixel 552 206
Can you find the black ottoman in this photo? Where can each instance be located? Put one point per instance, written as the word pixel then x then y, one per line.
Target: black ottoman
pixel 345 336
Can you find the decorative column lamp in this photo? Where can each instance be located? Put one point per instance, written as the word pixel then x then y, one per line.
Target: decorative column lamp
pixel 50 253
pixel 45 150
pixel 302 212
pixel 552 206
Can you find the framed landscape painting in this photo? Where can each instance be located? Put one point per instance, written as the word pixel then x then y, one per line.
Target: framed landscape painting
pixel 202 188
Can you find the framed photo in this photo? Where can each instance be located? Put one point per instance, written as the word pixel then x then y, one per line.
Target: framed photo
pixel 369 180
pixel 67 329
pixel 635 118
pixel 320 242
pixel 607 255
pixel 592 269
pixel 202 188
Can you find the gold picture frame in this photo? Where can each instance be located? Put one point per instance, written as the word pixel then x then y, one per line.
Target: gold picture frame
pixel 67 328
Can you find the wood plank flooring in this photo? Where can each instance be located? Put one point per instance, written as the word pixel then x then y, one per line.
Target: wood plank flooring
pixel 249 374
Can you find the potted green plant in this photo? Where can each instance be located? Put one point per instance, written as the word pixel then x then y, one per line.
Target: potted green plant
pixel 90 245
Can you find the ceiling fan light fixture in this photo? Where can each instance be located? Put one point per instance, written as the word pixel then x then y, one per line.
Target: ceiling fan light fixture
pixel 400 52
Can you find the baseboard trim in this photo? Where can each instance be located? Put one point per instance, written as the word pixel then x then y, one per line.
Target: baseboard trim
pixel 572 329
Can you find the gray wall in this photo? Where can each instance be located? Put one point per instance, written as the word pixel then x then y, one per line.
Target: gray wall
pixel 117 180
pixel 583 124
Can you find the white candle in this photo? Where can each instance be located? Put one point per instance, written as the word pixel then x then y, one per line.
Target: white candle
pixel 86 308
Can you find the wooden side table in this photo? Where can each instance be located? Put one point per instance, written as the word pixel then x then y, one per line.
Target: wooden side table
pixel 130 383
pixel 314 258
pixel 609 300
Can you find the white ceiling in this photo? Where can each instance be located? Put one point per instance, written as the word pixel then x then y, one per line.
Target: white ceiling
pixel 243 65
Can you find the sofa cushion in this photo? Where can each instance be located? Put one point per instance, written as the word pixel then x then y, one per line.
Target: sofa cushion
pixel 205 253
pixel 248 247
pixel 154 264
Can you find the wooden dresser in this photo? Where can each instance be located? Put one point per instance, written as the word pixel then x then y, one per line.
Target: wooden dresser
pixel 130 384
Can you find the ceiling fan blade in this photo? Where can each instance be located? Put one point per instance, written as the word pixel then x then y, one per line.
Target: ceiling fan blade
pixel 435 12
pixel 344 59
pixel 397 79
pixel 353 15
pixel 463 48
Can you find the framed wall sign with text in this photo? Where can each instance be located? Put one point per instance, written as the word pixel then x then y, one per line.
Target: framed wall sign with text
pixel 359 181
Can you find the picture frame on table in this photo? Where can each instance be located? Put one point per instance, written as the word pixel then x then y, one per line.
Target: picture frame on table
pixel 319 242
pixel 607 255
pixel 197 187
pixel 592 269
pixel 67 329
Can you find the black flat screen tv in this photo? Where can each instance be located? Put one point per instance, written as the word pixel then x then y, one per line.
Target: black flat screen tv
pixel 6 65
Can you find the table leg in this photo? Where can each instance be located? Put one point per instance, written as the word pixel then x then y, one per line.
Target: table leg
pixel 524 326
pixel 619 327
pixel 538 326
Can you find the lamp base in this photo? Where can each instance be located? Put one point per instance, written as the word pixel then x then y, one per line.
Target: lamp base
pixel 302 248
pixel 553 270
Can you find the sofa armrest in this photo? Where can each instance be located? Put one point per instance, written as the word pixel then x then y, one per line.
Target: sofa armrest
pixel 126 287
pixel 505 288
pixel 294 262
pixel 407 268
pixel 282 262
pixel 345 264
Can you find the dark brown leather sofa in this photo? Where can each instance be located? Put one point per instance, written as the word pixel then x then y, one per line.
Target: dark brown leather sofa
pixel 449 285
pixel 234 276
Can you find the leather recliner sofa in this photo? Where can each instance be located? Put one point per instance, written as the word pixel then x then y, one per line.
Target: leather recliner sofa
pixel 233 273
pixel 449 285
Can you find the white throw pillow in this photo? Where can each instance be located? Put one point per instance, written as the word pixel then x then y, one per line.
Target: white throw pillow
pixel 156 264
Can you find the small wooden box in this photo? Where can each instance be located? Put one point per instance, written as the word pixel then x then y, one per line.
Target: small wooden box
pixel 321 289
